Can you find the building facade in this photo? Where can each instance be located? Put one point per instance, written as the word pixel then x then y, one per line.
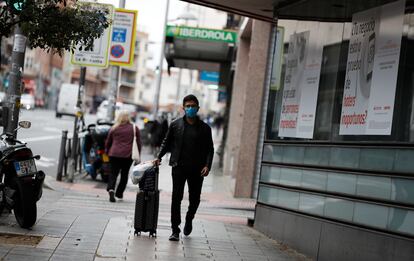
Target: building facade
pixel 334 170
pixel 38 74
pixel 131 79
pixel 336 173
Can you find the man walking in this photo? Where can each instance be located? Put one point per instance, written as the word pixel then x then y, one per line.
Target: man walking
pixel 190 142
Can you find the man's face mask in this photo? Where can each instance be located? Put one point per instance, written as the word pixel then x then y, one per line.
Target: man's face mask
pixel 191 110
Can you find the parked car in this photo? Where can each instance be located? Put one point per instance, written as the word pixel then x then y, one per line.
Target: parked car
pixel 2 97
pixel 68 97
pixel 103 110
pixel 27 101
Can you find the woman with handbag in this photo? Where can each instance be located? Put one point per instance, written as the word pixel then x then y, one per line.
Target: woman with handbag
pixel 123 146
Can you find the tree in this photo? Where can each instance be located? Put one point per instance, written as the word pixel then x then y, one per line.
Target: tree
pixel 54 25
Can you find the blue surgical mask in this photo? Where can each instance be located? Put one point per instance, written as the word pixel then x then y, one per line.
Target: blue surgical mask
pixel 191 112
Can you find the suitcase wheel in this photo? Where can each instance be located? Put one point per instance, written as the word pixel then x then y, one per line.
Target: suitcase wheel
pixel 137 233
pixel 153 234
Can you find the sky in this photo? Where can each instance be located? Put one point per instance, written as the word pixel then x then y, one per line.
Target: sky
pixel 151 19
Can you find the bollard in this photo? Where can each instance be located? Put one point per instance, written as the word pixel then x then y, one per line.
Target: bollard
pixel 79 158
pixel 67 153
pixel 70 162
pixel 62 155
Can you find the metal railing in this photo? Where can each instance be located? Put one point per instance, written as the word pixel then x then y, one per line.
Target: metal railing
pixel 65 157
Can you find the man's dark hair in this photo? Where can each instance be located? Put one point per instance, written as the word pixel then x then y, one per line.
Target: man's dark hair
pixel 190 97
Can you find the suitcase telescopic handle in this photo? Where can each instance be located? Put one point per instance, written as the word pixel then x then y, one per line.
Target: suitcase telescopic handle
pixel 157 172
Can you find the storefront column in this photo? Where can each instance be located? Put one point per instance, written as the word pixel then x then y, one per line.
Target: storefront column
pixel 232 147
pixel 246 117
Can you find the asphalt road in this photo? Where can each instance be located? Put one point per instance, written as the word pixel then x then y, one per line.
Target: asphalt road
pixel 44 137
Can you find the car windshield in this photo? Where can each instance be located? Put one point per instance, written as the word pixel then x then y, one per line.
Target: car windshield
pixel 27 97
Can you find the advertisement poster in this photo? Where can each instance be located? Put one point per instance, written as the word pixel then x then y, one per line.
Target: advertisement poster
pixel 301 83
pixel 372 70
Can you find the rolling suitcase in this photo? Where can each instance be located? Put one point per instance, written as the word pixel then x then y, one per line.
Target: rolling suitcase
pixel 147 203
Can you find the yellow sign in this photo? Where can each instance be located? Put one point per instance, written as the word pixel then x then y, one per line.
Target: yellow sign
pixel 121 51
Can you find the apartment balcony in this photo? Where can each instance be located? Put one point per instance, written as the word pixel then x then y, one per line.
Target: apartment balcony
pixel 127 82
pixel 105 75
pixel 132 68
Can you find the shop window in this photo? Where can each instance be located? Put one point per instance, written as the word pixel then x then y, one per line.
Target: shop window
pixel 386 218
pixel 366 187
pixel 311 204
pixel 329 46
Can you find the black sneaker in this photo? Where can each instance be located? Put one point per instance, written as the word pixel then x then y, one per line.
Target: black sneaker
pixel 112 196
pixel 174 236
pixel 188 227
pixel 119 196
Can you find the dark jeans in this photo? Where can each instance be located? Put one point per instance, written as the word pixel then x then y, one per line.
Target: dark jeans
pixel 123 165
pixel 180 175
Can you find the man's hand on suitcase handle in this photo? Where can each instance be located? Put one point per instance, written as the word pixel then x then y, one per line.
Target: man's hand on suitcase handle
pixel 204 172
pixel 156 162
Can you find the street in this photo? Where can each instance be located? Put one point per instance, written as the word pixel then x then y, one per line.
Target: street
pixel 45 134
pixel 75 221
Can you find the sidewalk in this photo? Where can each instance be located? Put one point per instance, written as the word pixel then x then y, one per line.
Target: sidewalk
pixel 77 222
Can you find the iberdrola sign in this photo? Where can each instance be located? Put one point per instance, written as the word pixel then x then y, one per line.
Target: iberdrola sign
pixel 195 33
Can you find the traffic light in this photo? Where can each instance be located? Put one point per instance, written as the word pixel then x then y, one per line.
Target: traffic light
pixel 16 6
pixel 6 81
pixel 3 116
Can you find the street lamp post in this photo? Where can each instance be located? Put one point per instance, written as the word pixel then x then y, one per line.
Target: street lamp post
pixel 159 76
pixel 113 90
pixel 14 90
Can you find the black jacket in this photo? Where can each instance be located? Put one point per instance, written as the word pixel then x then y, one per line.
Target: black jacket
pixel 174 138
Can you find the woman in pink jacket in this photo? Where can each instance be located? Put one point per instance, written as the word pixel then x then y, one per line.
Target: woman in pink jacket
pixel 118 146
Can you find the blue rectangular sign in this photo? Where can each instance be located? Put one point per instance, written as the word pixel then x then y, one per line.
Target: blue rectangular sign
pixel 212 77
pixel 119 35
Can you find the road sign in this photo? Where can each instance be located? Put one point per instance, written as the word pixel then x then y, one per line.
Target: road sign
pixel 117 51
pixel 123 37
pixel 98 56
pixel 119 35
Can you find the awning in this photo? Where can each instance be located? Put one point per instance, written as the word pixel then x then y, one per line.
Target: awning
pixel 198 48
pixel 319 10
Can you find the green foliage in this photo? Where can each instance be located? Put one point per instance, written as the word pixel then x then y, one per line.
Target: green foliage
pixel 56 25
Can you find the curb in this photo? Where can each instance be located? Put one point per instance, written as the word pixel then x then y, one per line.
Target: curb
pixel 48 183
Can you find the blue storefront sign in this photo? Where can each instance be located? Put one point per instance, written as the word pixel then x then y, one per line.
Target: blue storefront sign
pixel 212 77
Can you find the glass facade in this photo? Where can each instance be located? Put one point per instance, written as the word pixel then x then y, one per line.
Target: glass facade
pixel 319 170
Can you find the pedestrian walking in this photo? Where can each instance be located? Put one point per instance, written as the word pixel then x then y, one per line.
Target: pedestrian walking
pixel 190 142
pixel 154 130
pixel 218 122
pixel 159 135
pixel 119 146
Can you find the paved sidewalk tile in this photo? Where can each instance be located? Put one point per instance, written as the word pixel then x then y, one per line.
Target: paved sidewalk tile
pixel 77 222
pixel 114 242
pixel 28 254
pixel 209 241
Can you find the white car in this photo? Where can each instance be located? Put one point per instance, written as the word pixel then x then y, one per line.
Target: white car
pixel 68 97
pixel 2 96
pixel 103 110
pixel 27 101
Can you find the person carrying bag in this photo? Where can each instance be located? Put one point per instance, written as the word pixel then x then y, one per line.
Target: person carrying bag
pixel 123 145
pixel 136 155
